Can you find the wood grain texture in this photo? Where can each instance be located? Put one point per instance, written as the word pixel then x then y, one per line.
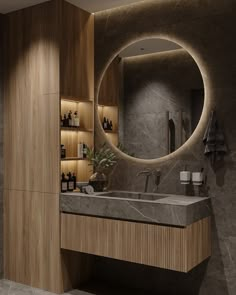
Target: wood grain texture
pixel 31 100
pixel 109 97
pixel 109 92
pixel 112 113
pixel 198 242
pixel 84 111
pixel 155 245
pixel 77 42
pixel 71 139
pixel 32 239
pixel 80 167
pixel 77 82
pixel 32 136
pixel 113 138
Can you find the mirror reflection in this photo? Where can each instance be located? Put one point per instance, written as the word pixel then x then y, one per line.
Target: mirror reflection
pixel 151 98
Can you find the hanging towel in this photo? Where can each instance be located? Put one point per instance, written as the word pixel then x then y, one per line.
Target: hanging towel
pixel 214 140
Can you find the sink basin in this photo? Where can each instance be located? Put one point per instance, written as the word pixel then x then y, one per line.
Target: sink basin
pixel 132 195
pixel 156 208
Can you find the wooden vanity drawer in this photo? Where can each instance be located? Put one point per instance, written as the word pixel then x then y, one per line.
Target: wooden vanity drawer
pixel 175 248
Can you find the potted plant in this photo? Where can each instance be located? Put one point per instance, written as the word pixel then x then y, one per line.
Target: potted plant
pixel 102 160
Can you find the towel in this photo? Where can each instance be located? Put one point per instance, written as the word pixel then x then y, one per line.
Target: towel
pixel 214 140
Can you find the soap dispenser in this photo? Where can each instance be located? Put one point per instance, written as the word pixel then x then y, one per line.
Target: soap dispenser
pixel 185 176
pixel 197 177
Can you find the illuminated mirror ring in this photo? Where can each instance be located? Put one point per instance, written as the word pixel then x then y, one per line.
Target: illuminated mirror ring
pixel 150 99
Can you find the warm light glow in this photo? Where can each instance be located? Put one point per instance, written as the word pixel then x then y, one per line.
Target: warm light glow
pixel 194 138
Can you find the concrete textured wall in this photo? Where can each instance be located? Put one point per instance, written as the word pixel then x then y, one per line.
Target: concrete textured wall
pixel 155 84
pixel 1 148
pixel 206 29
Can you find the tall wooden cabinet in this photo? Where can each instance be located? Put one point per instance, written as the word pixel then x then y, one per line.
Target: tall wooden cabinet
pixel 77 86
pixel 49 63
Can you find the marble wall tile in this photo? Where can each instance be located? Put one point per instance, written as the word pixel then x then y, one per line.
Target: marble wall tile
pixel 154 85
pixel 205 29
pixel 1 150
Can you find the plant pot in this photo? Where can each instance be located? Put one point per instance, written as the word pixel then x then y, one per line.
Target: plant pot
pixel 98 181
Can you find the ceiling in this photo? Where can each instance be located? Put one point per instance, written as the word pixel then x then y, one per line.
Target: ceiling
pixel 99 5
pixel 89 5
pixel 139 48
pixel 148 46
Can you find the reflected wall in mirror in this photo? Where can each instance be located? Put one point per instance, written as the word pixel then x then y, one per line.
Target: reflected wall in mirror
pixel 151 98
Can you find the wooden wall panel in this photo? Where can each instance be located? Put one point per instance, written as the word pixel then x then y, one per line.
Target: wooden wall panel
pixel 111 85
pixel 31 239
pixel 155 245
pixel 31 147
pixel 31 143
pixel 31 129
pixel 32 136
pixel 77 43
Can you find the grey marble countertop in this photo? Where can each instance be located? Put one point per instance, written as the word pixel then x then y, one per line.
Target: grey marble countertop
pixel 167 209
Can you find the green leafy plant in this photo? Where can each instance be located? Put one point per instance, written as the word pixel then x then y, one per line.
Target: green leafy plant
pixel 101 159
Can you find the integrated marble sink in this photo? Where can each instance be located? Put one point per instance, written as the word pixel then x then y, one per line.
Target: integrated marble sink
pixel 167 209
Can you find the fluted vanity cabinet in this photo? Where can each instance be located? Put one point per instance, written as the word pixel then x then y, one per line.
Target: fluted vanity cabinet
pixel 49 56
pixel 169 247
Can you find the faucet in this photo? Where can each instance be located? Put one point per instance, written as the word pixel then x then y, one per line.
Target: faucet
pixel 148 172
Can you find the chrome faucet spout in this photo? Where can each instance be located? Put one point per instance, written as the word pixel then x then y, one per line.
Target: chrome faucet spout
pixel 147 173
pixel 146 182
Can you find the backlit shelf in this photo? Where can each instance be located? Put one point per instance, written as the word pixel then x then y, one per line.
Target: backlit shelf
pixel 82 129
pixel 110 131
pixel 73 159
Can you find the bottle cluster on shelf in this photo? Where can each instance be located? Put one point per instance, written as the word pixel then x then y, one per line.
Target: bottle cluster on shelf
pixel 77 136
pixel 68 184
pixel 70 119
pixel 107 124
pixel 81 151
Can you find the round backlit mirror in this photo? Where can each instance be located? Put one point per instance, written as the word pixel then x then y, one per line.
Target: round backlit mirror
pixel 151 98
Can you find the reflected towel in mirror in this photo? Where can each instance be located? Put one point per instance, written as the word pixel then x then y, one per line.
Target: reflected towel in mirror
pixel 214 140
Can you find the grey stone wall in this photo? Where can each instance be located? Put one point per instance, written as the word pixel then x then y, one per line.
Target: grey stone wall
pixel 207 30
pixel 155 84
pixel 1 147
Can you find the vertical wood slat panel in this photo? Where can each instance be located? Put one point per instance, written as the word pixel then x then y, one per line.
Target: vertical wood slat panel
pixel 31 147
pixel 32 239
pixel 77 42
pixel 31 99
pixel 155 245
pixel 109 93
pixel 32 141
pixel 199 242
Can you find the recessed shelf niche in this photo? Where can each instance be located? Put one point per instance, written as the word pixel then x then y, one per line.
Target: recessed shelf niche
pixel 72 136
pixel 112 113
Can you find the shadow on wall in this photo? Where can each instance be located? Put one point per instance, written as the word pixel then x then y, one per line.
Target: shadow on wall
pixel 146 280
